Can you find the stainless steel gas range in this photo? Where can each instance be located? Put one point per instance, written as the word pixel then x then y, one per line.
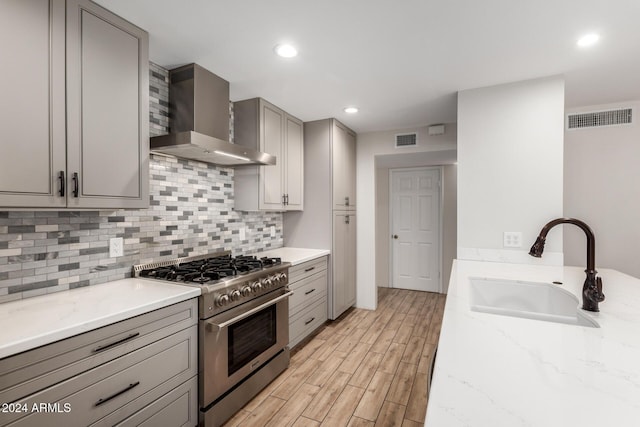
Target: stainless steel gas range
pixel 243 327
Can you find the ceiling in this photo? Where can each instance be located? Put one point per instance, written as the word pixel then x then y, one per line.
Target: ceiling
pixel 401 62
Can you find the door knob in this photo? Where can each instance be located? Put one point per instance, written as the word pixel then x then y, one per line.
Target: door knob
pixel 395 236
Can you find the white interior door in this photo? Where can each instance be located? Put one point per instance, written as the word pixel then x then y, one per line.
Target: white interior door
pixel 415 229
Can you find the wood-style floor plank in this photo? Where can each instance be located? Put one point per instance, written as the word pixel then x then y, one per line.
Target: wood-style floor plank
pixel 402 383
pixel 366 368
pixel 362 377
pixel 342 411
pixel 326 397
pixel 391 415
pixel 374 396
pixel 289 413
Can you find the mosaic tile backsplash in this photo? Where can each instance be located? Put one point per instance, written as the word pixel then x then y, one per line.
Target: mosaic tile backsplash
pixel 191 213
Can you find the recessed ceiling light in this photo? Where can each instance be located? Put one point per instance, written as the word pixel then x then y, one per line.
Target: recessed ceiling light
pixel 351 110
pixel 588 40
pixel 286 50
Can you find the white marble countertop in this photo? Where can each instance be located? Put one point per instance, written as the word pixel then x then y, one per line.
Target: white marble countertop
pixel 33 322
pixel 295 255
pixel 494 370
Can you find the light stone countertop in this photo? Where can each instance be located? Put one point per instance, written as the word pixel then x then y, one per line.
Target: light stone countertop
pixel 294 255
pixel 493 370
pixel 33 322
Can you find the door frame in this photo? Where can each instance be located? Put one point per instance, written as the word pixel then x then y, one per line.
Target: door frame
pixel 440 212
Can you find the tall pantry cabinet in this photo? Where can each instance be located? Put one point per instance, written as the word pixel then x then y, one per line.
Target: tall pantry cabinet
pixel 329 218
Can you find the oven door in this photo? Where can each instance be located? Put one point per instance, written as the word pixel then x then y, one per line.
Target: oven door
pixel 239 341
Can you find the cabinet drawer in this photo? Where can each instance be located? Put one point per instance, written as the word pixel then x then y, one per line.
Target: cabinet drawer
pixel 178 408
pixel 28 372
pixel 103 390
pixel 306 291
pixel 306 269
pixel 307 321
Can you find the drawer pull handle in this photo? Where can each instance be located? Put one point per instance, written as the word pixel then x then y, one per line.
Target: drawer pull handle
pixel 113 396
pixel 308 292
pixel 309 269
pixel 310 320
pixel 113 344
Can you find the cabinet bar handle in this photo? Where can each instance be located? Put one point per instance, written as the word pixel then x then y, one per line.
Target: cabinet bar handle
pixel 76 184
pixel 286 198
pixel 309 269
pixel 61 178
pixel 113 396
pixel 346 201
pixel 113 344
pixel 310 320
pixel 346 219
pixel 308 292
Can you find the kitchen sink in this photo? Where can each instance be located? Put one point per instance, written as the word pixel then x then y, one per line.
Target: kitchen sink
pixel 529 300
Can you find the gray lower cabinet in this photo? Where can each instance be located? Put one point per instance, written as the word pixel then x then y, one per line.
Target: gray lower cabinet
pixel 308 304
pixel 127 373
pixel 74 112
pixel 344 261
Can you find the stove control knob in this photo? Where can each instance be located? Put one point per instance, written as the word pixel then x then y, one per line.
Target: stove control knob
pixel 267 282
pixel 222 300
pixel 282 277
pixel 235 295
pixel 246 291
pixel 256 286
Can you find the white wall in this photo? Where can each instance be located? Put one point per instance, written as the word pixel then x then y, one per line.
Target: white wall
pixel 602 187
pixel 510 149
pixel 440 149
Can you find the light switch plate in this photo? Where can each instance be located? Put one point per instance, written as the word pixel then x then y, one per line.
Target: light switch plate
pixel 273 231
pixel 512 239
pixel 242 234
pixel 116 247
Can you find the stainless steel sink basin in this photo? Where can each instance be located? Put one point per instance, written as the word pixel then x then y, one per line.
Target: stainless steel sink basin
pixel 529 300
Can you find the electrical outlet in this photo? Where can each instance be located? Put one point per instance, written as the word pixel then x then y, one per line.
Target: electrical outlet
pixel 512 239
pixel 273 231
pixel 116 247
pixel 242 234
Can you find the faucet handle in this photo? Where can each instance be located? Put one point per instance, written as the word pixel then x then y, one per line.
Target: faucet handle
pixel 599 295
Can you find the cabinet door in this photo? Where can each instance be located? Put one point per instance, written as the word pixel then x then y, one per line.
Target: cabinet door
pixel 343 290
pixel 107 109
pixel 32 111
pixel 350 168
pixel 294 164
pixel 271 141
pixel 339 166
pixel 350 281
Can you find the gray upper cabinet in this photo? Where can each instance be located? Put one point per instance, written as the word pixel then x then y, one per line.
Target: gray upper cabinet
pixel 94 154
pixel 263 126
pixel 32 110
pixel 344 167
pixel 107 108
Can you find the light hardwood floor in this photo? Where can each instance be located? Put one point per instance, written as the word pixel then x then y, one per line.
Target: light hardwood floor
pixel 368 368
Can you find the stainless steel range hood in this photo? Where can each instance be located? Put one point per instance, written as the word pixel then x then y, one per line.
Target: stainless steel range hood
pixel 199 121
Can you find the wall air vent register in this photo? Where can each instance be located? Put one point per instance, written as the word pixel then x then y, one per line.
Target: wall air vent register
pixel 406 140
pixel 622 116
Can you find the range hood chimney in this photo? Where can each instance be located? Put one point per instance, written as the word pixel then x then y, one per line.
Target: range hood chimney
pixel 199 121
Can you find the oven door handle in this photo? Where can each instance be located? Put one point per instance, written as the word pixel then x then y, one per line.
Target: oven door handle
pixel 211 325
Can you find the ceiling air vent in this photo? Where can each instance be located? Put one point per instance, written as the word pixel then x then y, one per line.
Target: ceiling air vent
pixel 621 116
pixel 406 140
